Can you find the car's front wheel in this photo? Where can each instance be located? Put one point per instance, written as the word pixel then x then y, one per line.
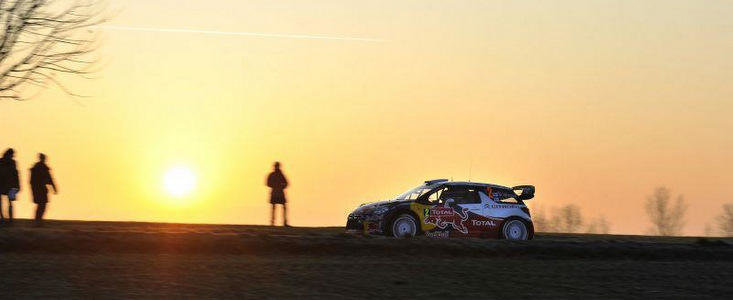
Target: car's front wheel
pixel 404 226
pixel 515 230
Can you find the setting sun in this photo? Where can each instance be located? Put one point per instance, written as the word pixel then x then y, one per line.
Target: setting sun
pixel 179 181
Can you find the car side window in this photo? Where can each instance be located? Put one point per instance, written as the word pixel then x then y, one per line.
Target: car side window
pixel 434 197
pixel 461 195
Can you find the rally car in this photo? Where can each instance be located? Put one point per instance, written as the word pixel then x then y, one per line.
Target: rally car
pixel 441 208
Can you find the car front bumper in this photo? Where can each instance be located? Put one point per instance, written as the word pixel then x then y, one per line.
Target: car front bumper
pixel 364 224
pixel 355 223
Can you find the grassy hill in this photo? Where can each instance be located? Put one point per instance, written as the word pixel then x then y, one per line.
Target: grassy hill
pixel 131 259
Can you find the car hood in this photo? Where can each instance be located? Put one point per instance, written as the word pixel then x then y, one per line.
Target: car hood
pixel 368 208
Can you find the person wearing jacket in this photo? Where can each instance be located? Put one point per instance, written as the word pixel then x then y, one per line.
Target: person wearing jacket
pixel 277 182
pixel 9 183
pixel 40 180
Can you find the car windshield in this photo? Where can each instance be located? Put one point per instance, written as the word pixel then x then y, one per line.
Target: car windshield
pixel 414 193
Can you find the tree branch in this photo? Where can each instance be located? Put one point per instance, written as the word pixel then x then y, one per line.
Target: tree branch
pixel 43 39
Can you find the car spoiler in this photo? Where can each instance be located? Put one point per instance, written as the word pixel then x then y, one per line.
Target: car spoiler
pixel 526 192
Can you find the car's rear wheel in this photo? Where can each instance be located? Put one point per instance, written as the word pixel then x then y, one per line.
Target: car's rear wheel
pixel 404 226
pixel 515 229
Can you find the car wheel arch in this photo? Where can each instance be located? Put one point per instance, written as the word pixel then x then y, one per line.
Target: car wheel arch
pixel 393 215
pixel 528 224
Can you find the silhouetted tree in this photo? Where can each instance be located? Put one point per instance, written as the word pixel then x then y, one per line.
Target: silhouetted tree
pixel 540 219
pixel 725 220
pixel 43 38
pixel 667 218
pixel 599 225
pixel 554 221
pixel 568 219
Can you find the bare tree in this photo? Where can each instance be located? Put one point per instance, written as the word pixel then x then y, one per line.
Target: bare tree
pixel 540 220
pixel 725 220
pixel 667 218
pixel 708 230
pixel 599 225
pixel 42 39
pixel 567 219
pixel 563 219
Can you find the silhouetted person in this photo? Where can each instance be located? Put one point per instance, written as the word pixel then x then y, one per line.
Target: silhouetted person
pixel 40 180
pixel 9 182
pixel 277 182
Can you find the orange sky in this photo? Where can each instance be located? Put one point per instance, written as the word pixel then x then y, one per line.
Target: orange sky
pixel 594 102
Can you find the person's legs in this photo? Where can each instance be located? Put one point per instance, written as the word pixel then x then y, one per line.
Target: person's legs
pixel 272 216
pixel 40 210
pixel 10 211
pixel 285 215
pixel 2 217
pixel 38 213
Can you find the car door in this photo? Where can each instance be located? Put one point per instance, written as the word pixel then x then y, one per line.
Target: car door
pixel 472 201
pixel 466 204
pixel 451 211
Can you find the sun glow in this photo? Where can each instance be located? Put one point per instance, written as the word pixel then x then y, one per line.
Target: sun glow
pixel 179 181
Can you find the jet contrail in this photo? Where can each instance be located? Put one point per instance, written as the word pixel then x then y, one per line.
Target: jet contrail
pixel 243 33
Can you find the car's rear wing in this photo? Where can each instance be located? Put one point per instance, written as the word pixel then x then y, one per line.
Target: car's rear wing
pixel 526 192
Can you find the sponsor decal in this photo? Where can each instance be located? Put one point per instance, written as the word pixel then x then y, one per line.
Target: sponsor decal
pixel 442 216
pixel 494 195
pixel 489 223
pixel 438 234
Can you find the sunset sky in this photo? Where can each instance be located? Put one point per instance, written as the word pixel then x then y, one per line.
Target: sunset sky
pixel 594 102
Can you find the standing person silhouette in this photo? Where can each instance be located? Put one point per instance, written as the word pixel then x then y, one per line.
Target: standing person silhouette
pixel 40 180
pixel 9 183
pixel 277 182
